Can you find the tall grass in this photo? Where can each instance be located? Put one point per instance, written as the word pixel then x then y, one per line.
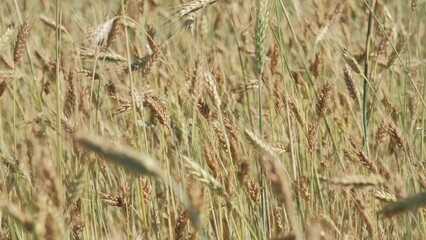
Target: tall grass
pixel 211 119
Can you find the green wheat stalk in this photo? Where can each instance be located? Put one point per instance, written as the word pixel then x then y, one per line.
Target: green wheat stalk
pixel 260 54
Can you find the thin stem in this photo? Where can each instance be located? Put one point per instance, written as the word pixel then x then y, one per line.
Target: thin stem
pixel 366 85
pixel 58 87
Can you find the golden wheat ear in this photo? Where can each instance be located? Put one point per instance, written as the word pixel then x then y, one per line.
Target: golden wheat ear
pixel 21 41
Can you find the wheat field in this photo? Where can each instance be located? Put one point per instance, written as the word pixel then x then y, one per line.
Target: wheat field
pixel 212 119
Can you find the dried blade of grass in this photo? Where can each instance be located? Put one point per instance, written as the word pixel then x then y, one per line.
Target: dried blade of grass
pixel 203 176
pixel 410 203
pixel 124 156
pixel 21 42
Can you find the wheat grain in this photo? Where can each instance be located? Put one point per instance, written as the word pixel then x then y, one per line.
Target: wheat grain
pixel 159 111
pixel 381 133
pixel 322 104
pixel 197 84
pixel 351 61
pixel 316 66
pixel 350 84
pixel 98 36
pixel 21 42
pixel 400 47
pixel 180 224
pixel 77 223
pixel 254 192
pixel 70 105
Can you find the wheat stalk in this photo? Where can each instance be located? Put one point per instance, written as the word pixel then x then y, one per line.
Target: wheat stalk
pixel 260 29
pixel 5 38
pixel 52 24
pixel 400 47
pixel 192 7
pixel 75 188
pixel 21 42
pixel 358 181
pixel 103 34
pixel 264 146
pixel 199 173
pixel 350 84
pixel 353 64
pixel 122 155
pixel 322 103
